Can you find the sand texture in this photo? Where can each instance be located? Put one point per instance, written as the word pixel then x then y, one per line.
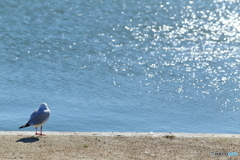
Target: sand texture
pixel 111 146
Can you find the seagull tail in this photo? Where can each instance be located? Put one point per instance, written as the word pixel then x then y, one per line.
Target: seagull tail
pixel 26 125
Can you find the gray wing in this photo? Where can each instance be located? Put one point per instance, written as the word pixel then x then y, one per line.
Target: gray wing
pixel 33 114
pixel 38 118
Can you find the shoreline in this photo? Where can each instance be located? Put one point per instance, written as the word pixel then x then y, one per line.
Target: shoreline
pixel 128 134
pixel 117 145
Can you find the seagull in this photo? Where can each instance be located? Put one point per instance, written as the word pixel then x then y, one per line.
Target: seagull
pixel 38 118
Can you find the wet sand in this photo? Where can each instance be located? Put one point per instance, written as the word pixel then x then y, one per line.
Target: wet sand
pixel 117 145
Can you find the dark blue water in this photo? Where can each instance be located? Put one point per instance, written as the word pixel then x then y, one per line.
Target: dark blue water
pixel 127 66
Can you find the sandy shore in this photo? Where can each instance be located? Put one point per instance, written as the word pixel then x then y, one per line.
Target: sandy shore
pixel 111 146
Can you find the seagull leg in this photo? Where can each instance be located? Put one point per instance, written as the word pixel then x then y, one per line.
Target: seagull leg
pixel 36 131
pixel 41 132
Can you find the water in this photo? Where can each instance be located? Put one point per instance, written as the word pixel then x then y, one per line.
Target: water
pixel 127 66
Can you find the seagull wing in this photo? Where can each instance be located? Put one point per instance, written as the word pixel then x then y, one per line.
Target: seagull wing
pixel 38 118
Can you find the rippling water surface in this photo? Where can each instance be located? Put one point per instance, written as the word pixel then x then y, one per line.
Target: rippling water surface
pixel 135 66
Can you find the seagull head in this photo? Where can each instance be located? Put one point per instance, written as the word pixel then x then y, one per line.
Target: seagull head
pixel 43 106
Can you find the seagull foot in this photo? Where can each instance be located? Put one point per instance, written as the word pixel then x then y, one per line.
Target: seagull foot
pixel 40 134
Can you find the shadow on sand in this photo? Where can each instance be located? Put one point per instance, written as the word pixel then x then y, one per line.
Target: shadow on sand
pixel 28 140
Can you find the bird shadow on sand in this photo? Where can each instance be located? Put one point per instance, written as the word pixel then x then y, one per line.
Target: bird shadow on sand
pixel 28 140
